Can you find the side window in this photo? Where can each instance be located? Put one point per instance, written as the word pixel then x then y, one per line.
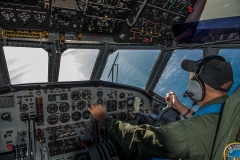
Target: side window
pixel 233 56
pixel 77 64
pixel 132 67
pixel 26 65
pixel 174 78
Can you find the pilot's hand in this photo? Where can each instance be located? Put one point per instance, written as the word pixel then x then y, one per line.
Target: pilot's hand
pixel 176 104
pixel 98 112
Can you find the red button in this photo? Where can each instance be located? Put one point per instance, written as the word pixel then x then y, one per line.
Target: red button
pixel 9 146
pixel 167 99
pixel 190 9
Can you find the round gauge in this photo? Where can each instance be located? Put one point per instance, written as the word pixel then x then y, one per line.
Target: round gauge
pixel 122 95
pixel 6 117
pixel 64 107
pixel 75 95
pixel 76 116
pixel 99 94
pixel 100 101
pixel 38 93
pixel 86 114
pixel 130 101
pixel 24 107
pixel 81 105
pixel 122 116
pixel 86 94
pixel 64 117
pixel 52 119
pixel 52 108
pixel 121 104
pixel 111 106
pixel 23 115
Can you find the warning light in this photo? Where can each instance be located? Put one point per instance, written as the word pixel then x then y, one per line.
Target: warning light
pixel 142 30
pixel 106 16
pixel 151 32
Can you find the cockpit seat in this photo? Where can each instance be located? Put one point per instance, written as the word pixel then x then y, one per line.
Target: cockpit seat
pixel 227 144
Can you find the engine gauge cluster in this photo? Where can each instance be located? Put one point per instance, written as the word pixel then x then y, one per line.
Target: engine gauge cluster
pixel 111 105
pixel 65 117
pixel 57 106
pixel 52 119
pixel 86 114
pixel 86 94
pixel 52 108
pixel 64 107
pixel 76 116
pixel 81 105
pixel 75 95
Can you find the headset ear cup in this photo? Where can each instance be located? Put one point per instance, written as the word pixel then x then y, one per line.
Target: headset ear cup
pixel 197 88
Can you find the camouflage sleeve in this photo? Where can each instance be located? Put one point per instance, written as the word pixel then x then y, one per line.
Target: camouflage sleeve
pixel 148 141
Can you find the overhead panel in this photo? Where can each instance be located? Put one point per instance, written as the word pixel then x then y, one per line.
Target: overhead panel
pixel 124 21
pixel 152 22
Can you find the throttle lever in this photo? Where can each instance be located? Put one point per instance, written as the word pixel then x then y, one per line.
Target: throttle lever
pixel 136 105
pixel 169 100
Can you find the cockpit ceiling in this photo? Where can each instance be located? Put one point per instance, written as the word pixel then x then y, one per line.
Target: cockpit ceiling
pixel 149 22
pixel 220 9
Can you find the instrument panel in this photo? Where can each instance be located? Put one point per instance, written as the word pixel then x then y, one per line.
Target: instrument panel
pixel 51 121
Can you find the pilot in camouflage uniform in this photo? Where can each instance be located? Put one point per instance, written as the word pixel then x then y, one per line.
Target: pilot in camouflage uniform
pixel 193 138
pixel 229 130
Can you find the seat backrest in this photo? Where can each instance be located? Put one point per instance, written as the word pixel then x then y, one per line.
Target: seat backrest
pixel 229 128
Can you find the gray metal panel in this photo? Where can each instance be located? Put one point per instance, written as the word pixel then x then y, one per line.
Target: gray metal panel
pixel 54 58
pixel 210 51
pixel 100 63
pixel 4 75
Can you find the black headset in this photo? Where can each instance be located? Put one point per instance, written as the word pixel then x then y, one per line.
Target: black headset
pixel 195 86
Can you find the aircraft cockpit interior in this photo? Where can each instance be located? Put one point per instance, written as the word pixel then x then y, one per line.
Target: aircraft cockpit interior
pixel 58 57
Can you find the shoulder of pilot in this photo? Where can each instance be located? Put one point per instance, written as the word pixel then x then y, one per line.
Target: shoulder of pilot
pixel 201 121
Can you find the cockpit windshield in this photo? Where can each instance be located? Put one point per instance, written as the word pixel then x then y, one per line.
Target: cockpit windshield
pixel 77 64
pixel 131 67
pixel 26 65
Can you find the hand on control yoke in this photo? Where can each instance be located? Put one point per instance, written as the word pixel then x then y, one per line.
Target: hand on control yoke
pixel 98 112
pixel 173 101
